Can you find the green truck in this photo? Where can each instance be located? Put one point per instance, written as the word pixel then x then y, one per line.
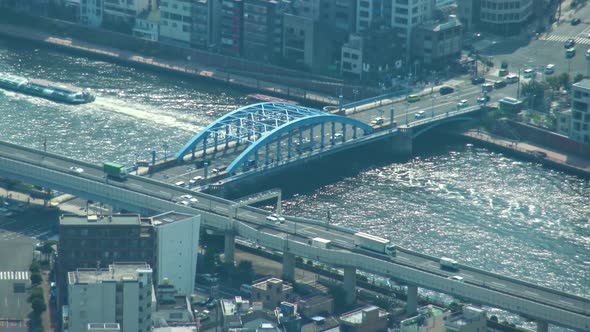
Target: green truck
pixel 114 170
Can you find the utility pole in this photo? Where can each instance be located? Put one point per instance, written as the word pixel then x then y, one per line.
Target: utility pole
pixel 518 85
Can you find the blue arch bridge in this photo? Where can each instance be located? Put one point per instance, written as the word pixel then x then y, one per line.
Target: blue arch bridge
pixel 270 132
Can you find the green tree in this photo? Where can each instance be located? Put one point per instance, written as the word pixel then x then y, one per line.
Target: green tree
pixel 535 93
pixel 578 78
pixel 36 279
pixel 494 318
pixel 553 82
pixel 38 305
pixel 34 268
pixel 47 250
pixel 245 272
pixel 564 80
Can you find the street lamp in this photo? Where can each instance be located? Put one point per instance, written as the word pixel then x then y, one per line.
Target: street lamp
pixel 432 105
pixel 407 111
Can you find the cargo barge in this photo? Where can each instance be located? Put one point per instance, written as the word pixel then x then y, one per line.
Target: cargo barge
pixel 45 89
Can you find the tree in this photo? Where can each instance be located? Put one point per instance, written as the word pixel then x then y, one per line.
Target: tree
pixel 494 318
pixel 47 250
pixel 564 80
pixel 36 292
pixel 34 268
pixel 535 91
pixel 36 278
pixel 245 272
pixel 553 82
pixel 38 305
pixel 578 78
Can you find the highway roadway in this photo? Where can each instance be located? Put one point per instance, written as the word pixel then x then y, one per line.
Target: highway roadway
pixel 296 229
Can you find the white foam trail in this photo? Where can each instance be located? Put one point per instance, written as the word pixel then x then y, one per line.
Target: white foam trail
pixel 160 117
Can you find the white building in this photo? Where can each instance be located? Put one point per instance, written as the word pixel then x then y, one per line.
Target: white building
pixel 91 12
pixel 104 327
pixel 120 294
pixel 176 21
pixel 147 25
pixel 580 118
pixel 177 249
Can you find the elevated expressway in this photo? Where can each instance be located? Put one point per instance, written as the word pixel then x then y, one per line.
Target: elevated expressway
pixel 545 305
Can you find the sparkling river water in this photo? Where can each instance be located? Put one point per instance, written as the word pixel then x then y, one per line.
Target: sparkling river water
pixel 476 205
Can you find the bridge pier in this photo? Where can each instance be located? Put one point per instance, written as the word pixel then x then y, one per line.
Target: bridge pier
pixel 288 266
pixel 412 300
pixel 542 326
pixel 402 142
pixel 350 284
pixel 229 248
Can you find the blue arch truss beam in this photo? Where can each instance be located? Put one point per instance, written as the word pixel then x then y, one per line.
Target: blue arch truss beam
pixel 287 128
pixel 248 123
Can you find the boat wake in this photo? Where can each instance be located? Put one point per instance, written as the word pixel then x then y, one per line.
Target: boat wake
pixel 144 112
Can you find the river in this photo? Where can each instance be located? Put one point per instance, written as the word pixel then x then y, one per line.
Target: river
pixel 453 199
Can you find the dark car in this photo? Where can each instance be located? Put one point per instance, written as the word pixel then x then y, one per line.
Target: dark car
pixel 478 80
pixel 576 21
pixel 445 90
pixel 499 84
pixel 483 99
pixel 569 43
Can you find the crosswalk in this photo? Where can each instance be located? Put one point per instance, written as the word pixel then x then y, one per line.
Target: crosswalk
pixel 14 275
pixel 559 38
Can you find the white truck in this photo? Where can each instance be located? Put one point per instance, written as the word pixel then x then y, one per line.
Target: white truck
pixel 449 264
pixel 320 243
pixel 374 243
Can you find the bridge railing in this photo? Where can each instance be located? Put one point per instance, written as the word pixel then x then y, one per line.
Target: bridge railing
pixel 450 113
pixel 379 98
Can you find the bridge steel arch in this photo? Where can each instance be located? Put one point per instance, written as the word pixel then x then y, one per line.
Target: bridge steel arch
pixel 288 128
pixel 246 122
pixel 439 123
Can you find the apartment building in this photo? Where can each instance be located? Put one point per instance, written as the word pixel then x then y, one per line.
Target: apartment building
pixel 91 13
pixel 580 117
pixel 190 22
pixel 505 16
pixel 437 43
pixel 120 294
pixel 370 54
pixel 231 26
pixel 147 25
pixel 263 29
pixel 121 14
pixel 177 247
pixel 271 292
pixel 300 40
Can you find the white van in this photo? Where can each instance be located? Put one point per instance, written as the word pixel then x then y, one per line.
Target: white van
pixel 272 220
pixel 179 183
pixel 529 73
pixel 512 78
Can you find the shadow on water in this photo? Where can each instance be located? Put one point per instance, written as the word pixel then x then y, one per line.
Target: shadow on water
pixel 310 176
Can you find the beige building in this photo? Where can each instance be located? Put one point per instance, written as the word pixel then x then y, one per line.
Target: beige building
pixel 429 319
pixel 580 120
pixel 471 320
pixel 316 305
pixel 505 16
pixel 120 294
pixel 438 43
pixel 564 121
pixel 367 319
pixel 271 292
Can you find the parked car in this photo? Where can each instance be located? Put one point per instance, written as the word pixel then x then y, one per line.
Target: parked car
pixel 569 43
pixel 445 90
pixel 503 72
pixel 576 21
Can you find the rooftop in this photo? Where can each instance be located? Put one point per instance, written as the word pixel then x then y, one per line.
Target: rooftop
pixel 315 299
pixel 169 217
pixel 357 316
pixel 115 272
pixel 93 219
pixel 180 302
pixel 176 329
pixel 584 84
pixel 264 285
